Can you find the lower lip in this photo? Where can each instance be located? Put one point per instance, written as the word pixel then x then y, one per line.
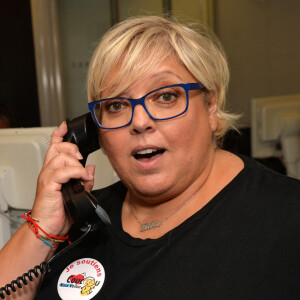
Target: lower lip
pixel 149 163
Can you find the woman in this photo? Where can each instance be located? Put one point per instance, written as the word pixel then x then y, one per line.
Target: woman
pixel 189 220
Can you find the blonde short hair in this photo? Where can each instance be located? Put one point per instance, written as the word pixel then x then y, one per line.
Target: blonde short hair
pixel 130 49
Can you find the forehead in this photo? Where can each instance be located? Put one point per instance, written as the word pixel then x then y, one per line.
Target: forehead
pixel 168 71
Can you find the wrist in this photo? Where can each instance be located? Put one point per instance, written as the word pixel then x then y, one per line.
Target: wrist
pixel 50 240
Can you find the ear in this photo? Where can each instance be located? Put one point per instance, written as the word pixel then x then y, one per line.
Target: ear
pixel 212 109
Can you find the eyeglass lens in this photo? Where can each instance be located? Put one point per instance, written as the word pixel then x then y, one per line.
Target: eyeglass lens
pixel 161 104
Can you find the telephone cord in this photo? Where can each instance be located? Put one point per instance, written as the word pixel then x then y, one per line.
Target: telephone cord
pixel 39 269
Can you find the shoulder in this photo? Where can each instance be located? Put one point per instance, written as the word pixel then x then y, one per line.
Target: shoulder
pixel 268 197
pixel 267 181
pixel 259 191
pixel 262 205
pixel 244 175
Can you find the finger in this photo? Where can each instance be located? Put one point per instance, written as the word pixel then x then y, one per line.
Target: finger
pixel 91 169
pixel 49 184
pixel 67 148
pixel 59 133
pixel 64 175
pixel 88 185
pixel 61 160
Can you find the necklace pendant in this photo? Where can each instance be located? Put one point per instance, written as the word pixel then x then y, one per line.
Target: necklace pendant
pixel 148 226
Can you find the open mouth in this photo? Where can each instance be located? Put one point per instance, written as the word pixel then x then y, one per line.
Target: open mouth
pixel 148 153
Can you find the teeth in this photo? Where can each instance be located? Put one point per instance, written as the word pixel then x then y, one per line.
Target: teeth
pixel 147 151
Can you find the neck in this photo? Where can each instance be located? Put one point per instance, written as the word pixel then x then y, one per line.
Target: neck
pixel 150 211
pixel 166 212
pixel 156 224
pixel 160 205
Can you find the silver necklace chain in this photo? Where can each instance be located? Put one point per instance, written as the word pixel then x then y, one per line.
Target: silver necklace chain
pixel 155 224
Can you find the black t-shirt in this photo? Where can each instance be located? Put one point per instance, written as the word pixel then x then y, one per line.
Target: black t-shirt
pixel 244 244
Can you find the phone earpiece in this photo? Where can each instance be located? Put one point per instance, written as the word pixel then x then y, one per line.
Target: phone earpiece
pixel 81 205
pixel 83 132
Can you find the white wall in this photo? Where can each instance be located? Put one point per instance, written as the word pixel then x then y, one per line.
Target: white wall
pixel 260 37
pixel 81 25
pixel 262 42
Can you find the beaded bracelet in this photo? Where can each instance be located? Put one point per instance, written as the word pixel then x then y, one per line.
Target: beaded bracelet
pixel 47 238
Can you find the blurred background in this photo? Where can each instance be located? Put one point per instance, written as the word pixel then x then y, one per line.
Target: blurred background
pixel 46 47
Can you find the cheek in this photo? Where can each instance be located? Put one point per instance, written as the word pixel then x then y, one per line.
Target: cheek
pixel 113 144
pixel 198 127
pixel 190 137
pixel 197 138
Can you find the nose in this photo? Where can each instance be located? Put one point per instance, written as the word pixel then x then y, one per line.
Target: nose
pixel 141 121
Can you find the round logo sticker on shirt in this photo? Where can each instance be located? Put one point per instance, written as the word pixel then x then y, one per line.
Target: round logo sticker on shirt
pixel 82 279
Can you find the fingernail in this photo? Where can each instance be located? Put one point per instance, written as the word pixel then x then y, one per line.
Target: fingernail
pixel 79 156
pixel 64 122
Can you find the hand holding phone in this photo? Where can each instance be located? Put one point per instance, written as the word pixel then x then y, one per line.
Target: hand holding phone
pixel 82 206
pixel 65 159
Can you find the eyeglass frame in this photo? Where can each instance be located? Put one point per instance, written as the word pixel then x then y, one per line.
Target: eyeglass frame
pixel 186 86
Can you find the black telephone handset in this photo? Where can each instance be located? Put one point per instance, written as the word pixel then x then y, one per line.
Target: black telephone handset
pixel 82 206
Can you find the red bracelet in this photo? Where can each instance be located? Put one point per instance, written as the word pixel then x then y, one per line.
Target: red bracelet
pixel 48 237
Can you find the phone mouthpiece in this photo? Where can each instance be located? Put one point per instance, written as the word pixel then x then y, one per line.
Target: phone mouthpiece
pixel 102 215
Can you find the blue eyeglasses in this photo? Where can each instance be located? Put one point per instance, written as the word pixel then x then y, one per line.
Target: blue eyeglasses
pixel 164 103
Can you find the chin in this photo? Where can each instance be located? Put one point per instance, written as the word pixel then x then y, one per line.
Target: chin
pixel 152 188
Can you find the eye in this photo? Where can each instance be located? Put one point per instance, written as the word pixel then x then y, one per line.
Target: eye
pixel 114 106
pixel 167 97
